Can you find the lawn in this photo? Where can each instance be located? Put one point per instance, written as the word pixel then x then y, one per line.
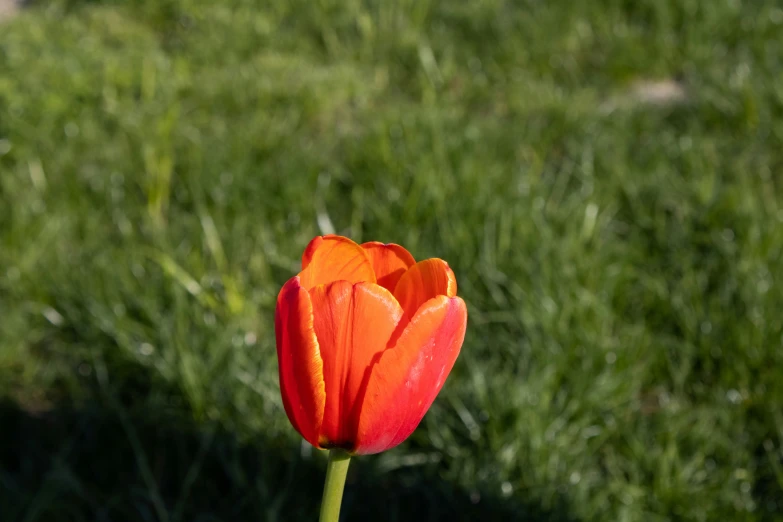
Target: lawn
pixel 605 178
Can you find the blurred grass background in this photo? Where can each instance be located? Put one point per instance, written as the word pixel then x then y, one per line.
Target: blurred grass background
pixel 604 178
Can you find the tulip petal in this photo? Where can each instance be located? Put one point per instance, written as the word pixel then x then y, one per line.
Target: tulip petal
pixel 423 281
pixel 353 324
pixel 407 378
pixel 334 258
pixel 310 249
pixel 389 261
pixel 300 364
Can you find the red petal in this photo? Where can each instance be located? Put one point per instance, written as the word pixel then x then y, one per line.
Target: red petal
pixel 353 323
pixel 334 258
pixel 408 377
pixel 423 281
pixel 299 358
pixel 310 249
pixel 389 261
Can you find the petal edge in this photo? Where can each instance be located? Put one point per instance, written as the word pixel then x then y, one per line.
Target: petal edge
pixel 389 261
pixel 423 281
pixel 334 258
pixel 300 365
pixel 407 378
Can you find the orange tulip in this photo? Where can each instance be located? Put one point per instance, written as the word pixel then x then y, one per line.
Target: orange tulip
pixel 365 340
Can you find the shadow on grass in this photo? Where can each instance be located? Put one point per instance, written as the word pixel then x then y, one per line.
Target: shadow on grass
pixel 95 463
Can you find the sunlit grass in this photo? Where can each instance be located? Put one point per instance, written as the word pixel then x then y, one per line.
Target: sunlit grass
pixel 162 165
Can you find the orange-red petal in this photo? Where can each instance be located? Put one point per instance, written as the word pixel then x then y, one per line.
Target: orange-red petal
pixel 423 281
pixel 353 324
pixel 407 378
pixel 310 249
pixel 389 261
pixel 334 258
pixel 299 358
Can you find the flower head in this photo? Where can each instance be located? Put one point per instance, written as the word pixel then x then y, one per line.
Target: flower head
pixel 366 337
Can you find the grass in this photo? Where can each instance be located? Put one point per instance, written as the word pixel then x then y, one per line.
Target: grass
pixel 163 164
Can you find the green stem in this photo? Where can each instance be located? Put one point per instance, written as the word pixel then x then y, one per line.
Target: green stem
pixel 336 471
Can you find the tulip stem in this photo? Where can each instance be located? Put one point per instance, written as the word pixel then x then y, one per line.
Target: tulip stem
pixel 336 471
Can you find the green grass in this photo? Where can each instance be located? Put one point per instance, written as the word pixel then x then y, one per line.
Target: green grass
pixel 163 164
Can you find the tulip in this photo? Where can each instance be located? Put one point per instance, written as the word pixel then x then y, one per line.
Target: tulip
pixel 366 337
